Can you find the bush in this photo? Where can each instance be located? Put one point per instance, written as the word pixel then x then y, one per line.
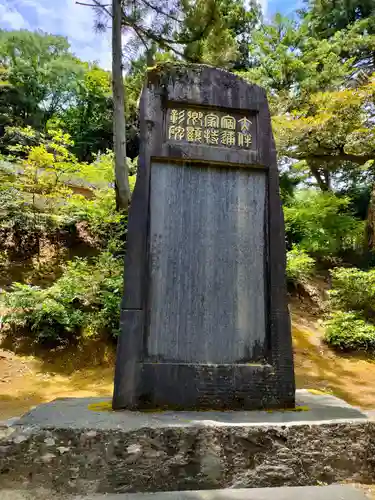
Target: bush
pixel 354 290
pixel 85 300
pixel 36 313
pixel 346 331
pixel 322 224
pixel 299 265
pixel 104 223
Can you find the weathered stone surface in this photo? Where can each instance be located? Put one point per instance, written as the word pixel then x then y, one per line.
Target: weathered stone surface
pixel 207 256
pixel 205 322
pixel 108 452
pixel 334 492
pixel 166 459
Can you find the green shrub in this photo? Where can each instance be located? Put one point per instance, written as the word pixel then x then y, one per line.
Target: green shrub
pixel 354 290
pixel 104 223
pixel 322 224
pixel 85 300
pixel 36 313
pixel 299 265
pixel 347 331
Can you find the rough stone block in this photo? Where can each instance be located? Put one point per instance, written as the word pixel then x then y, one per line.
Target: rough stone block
pixel 65 447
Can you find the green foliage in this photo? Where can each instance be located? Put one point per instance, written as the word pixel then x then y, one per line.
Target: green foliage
pixel 329 132
pixel 85 300
pixel 42 70
pixel 354 290
pixel 322 224
pixel 89 121
pixel 104 223
pixel 16 141
pixel 352 300
pixel 299 266
pixel 346 331
pixel 326 17
pixel 226 42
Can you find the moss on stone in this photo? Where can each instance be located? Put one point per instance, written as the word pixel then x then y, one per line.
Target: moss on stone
pixel 101 406
pixel 297 408
pixel 317 392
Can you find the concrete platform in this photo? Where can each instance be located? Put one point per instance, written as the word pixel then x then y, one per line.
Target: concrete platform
pixel 66 447
pixel 74 413
pixel 334 492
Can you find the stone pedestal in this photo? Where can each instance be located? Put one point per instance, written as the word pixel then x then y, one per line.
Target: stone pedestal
pixel 75 446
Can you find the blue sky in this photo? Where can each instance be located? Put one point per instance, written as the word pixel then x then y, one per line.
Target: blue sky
pixel 65 17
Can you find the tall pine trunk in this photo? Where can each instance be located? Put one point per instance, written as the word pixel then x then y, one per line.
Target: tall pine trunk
pixel 119 126
pixel 370 223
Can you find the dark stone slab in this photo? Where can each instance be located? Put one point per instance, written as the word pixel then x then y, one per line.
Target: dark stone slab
pixel 207 251
pixel 205 322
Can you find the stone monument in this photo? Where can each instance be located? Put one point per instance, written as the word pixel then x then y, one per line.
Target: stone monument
pixel 204 320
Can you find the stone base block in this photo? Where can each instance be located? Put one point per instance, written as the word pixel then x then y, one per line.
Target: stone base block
pixel 74 446
pixel 209 386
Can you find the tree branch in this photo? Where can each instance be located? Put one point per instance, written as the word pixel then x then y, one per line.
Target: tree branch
pixel 160 40
pixel 140 37
pixel 97 5
pixel 358 159
pixel 160 11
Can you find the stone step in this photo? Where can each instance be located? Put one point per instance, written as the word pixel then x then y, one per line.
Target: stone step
pixel 333 492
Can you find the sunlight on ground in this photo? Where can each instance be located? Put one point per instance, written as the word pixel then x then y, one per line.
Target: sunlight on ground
pixel 349 377
pixel 26 381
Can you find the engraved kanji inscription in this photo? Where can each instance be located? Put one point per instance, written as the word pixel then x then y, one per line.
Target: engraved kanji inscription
pixel 176 133
pixel 228 137
pixel 195 118
pixel 210 128
pixel 211 136
pixel 212 120
pixel 228 122
pixel 194 134
pixel 245 125
pixel 244 140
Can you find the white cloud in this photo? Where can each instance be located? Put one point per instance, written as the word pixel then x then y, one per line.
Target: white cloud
pixel 63 17
pixel 264 6
pixel 11 18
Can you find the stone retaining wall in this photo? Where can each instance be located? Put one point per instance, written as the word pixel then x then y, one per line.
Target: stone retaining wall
pixel 198 456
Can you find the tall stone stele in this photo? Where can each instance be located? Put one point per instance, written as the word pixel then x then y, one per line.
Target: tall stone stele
pixel 204 320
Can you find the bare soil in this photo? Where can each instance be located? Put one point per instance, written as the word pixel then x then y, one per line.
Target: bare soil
pixel 29 380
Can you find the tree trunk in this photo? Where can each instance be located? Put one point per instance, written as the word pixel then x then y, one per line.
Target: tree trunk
pixel 370 223
pixel 119 126
pixel 322 181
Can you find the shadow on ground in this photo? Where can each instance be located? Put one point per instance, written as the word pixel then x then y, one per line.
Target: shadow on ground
pixel 87 353
pixel 31 376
